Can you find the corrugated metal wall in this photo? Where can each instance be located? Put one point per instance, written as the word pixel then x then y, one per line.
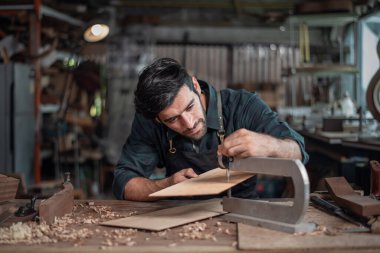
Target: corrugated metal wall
pixel 207 63
pixel 253 67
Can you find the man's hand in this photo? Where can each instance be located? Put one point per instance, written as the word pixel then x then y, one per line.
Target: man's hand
pixel 244 143
pixel 139 188
pixel 182 175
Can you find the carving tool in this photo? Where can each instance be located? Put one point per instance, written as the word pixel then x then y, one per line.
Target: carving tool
pixel 334 209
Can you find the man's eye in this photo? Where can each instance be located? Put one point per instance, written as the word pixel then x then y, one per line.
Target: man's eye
pixel 190 107
pixel 172 120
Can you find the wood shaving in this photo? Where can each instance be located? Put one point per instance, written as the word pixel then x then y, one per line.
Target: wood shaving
pixel 320 230
pixel 227 231
pixel 195 231
pixel 66 228
pixel 117 237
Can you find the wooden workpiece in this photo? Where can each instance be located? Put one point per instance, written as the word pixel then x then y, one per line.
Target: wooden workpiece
pixel 345 196
pixel 8 187
pixel 210 235
pixel 171 217
pixel 58 205
pixel 212 182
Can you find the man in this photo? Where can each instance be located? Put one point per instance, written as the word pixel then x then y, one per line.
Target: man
pixel 176 126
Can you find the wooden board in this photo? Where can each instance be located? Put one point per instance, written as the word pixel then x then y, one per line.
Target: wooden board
pixel 8 187
pixel 212 182
pixel 345 196
pixel 170 217
pixel 57 205
pixel 261 239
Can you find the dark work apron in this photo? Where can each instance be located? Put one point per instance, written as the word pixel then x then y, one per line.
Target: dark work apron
pixel 201 162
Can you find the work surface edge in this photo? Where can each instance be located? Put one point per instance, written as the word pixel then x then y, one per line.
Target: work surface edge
pixel 143 207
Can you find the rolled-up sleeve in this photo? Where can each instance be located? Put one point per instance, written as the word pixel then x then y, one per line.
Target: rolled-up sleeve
pixel 260 118
pixel 139 156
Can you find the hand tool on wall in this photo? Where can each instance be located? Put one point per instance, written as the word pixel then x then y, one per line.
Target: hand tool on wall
pixel 270 214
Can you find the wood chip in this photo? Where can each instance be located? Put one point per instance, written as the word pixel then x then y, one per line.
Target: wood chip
pixel 196 231
pixel 65 228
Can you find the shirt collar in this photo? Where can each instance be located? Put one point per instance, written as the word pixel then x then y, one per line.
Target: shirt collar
pixel 212 108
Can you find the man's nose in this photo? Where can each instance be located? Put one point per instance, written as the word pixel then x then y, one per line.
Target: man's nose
pixel 188 120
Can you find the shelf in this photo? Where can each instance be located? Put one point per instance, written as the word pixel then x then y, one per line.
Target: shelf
pixel 323 19
pixel 45 11
pixel 321 70
pixel 49 108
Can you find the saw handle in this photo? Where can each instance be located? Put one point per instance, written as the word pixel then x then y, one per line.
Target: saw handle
pixel 375 178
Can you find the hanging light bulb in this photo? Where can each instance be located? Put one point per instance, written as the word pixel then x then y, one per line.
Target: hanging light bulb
pixel 96 32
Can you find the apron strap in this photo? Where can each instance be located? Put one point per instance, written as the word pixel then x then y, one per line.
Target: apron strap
pixel 221 131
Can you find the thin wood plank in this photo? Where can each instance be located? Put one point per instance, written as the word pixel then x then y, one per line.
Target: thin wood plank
pixel 212 182
pixel 345 196
pixel 170 217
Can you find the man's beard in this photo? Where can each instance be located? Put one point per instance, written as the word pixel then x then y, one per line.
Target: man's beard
pixel 203 130
pixel 200 134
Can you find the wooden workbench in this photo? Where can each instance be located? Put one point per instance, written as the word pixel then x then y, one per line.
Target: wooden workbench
pixel 224 240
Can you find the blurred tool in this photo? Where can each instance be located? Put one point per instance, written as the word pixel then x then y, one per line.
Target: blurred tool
pixel 336 210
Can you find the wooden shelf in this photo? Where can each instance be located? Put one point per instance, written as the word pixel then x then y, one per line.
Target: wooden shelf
pixel 321 69
pixel 323 19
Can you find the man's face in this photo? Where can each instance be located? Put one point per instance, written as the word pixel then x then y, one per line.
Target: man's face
pixel 185 115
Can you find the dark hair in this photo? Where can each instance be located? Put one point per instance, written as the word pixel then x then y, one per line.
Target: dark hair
pixel 158 85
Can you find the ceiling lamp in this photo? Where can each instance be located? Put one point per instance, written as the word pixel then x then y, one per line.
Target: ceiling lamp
pixel 96 32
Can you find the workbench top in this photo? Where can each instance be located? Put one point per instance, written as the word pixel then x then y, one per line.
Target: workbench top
pixel 83 234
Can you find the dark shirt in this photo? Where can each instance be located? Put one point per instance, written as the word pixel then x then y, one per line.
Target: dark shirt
pixel 147 145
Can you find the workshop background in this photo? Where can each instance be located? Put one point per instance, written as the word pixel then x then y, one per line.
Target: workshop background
pixel 66 90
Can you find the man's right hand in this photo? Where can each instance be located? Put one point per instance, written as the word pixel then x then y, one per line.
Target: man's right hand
pixel 182 175
pixel 139 188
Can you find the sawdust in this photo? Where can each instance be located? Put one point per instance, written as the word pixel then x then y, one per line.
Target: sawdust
pixel 319 230
pixel 77 228
pixel 197 230
pixel 65 228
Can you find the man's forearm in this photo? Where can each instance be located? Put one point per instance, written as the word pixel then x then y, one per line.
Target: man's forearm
pixel 139 188
pixel 287 148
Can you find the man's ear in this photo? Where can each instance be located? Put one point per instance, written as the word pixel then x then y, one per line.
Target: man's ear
pixel 197 87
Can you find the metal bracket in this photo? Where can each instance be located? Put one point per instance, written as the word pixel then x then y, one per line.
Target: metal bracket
pixel 286 217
